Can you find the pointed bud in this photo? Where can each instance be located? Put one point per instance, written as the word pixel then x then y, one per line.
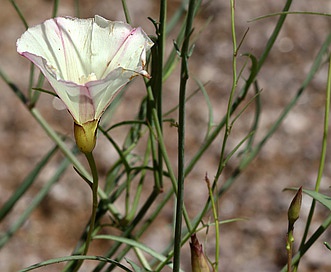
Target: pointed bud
pixel 85 135
pixel 198 259
pixel 294 209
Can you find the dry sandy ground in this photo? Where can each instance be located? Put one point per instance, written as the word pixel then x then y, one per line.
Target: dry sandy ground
pixel 290 158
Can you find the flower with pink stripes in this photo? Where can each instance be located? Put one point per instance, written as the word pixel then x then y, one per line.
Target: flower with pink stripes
pixel 87 62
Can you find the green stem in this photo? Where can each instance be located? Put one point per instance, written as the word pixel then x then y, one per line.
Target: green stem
pixel 77 8
pixel 181 135
pixel 289 245
pixel 166 158
pixel 91 161
pixel 158 85
pixel 322 157
pixel 325 225
pixel 56 138
pixel 150 200
pixel 217 230
pixel 243 91
pixel 233 89
pixel 55 8
pixel 20 14
pixel 126 12
pixel 74 266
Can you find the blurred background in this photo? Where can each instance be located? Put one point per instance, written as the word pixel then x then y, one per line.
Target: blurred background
pixel 290 158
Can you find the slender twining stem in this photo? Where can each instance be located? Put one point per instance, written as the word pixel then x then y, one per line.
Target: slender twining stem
pixel 243 91
pixel 77 8
pixel 94 187
pixel 91 161
pixel 158 85
pixel 20 14
pixel 166 158
pixel 322 158
pixel 55 8
pixel 126 12
pixel 233 89
pixel 217 230
pixel 181 135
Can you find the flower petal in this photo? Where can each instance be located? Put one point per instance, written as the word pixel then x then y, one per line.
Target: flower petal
pixel 86 61
pixel 64 42
pixel 104 91
pixel 132 53
pixel 107 39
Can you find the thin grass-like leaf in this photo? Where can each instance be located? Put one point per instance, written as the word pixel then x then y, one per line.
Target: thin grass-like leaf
pixel 142 259
pixel 235 149
pixel 45 91
pixel 125 123
pixel 75 258
pixel 26 184
pixel 35 202
pixel 133 243
pixel 209 106
pixel 322 156
pixel 20 14
pixel 290 12
pixel 17 91
pixel 118 149
pixel 174 20
pixel 313 70
pixel 134 266
pixel 35 95
pixel 327 245
pixel 139 189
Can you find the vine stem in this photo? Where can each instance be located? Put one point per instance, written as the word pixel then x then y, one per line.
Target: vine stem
pixel 232 93
pixel 91 161
pixel 181 135
pixel 322 159
pixel 94 187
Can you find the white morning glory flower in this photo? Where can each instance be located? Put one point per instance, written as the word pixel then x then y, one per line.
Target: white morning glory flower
pixel 86 61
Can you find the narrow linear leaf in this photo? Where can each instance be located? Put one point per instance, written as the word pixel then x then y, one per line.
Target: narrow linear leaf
pixel 135 267
pixel 34 203
pixel 75 258
pixel 132 243
pixel 29 180
pixel 45 91
pixel 327 245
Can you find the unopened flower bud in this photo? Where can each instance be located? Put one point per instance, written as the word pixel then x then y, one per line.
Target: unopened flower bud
pixel 294 209
pixel 198 259
pixel 85 135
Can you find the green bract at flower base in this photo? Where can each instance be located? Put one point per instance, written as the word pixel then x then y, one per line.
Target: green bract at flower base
pixel 85 135
pixel 87 62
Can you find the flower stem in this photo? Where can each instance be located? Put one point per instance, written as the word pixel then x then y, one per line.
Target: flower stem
pixel 94 187
pixel 289 245
pixel 91 161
